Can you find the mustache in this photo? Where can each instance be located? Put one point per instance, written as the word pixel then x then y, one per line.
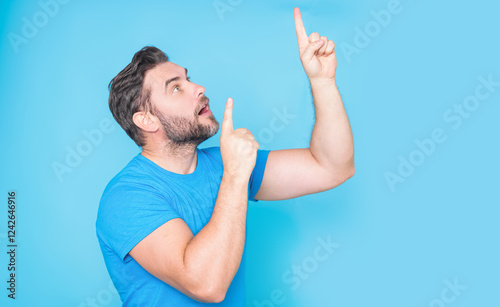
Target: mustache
pixel 203 100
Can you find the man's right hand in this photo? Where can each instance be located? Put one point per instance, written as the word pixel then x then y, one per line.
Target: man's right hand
pixel 238 147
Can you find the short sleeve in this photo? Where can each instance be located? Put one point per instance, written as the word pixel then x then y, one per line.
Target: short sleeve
pixel 257 174
pixel 128 212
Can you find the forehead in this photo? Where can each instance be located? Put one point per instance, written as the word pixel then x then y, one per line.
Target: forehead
pixel 162 72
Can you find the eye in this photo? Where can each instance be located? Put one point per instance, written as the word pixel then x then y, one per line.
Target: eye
pixel 176 86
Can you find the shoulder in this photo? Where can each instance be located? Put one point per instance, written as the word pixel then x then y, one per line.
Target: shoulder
pixel 136 175
pixel 131 189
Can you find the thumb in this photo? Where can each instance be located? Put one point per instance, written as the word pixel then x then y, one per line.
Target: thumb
pixel 227 120
pixel 311 49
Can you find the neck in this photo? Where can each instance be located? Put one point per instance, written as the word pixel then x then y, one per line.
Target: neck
pixel 180 159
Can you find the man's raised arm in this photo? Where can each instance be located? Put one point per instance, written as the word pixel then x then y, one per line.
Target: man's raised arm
pixel 329 160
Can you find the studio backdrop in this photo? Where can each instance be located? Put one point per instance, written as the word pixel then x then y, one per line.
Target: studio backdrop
pixel 417 225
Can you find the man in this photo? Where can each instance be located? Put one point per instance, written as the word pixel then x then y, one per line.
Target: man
pixel 171 225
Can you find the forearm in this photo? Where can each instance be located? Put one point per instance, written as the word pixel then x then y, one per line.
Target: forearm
pixel 213 256
pixel 331 140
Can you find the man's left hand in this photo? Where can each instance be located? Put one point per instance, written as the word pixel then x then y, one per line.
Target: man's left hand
pixel 317 54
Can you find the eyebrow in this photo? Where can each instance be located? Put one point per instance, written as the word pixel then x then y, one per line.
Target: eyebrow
pixel 174 79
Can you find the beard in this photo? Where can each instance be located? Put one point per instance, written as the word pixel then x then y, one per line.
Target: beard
pixel 182 131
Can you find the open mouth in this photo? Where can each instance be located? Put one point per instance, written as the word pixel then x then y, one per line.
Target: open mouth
pixel 204 110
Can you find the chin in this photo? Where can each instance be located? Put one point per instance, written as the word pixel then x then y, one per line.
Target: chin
pixel 216 128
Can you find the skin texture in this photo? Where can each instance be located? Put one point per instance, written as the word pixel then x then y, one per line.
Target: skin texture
pixel 204 265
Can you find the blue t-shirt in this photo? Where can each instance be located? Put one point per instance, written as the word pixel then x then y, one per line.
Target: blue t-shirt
pixel 144 196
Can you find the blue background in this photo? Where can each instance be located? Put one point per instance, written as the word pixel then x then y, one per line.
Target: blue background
pixel 396 247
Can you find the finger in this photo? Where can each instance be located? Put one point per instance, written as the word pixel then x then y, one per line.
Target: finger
pixel 323 47
pixel 242 130
pixel 330 48
pixel 313 37
pixel 227 120
pixel 256 144
pixel 249 136
pixel 311 50
pixel 299 29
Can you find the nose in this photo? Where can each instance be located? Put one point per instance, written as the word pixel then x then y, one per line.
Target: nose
pixel 199 90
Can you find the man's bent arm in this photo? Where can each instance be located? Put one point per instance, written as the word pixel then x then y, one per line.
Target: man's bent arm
pixel 202 266
pixel 213 256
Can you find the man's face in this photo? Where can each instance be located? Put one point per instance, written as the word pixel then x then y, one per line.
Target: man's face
pixel 181 105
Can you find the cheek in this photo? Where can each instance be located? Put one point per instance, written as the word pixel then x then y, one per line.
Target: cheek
pixel 180 108
pixel 183 111
pixel 160 104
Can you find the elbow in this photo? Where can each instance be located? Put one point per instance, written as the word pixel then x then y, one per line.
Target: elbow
pixel 345 169
pixel 208 289
pixel 341 175
pixel 210 294
pixel 349 172
pixel 349 169
pixel 206 286
pixel 345 175
pixel 217 296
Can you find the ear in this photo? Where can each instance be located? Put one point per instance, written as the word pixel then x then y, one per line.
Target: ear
pixel 146 121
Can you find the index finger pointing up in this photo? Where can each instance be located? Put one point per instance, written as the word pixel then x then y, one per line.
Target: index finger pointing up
pixel 227 120
pixel 299 28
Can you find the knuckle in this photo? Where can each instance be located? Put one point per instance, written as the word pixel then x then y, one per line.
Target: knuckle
pixel 241 130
